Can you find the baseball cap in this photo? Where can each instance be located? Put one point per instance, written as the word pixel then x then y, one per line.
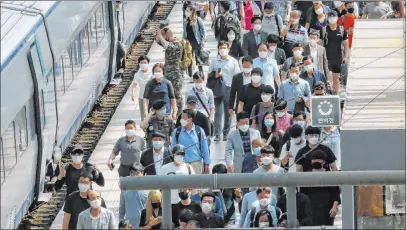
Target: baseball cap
pixel 192 99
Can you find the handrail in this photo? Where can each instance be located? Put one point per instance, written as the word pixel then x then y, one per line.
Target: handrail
pixel 244 180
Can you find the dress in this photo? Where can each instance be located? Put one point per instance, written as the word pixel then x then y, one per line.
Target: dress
pixel 248 15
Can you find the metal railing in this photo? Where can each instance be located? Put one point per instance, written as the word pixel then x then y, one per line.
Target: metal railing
pixel 245 180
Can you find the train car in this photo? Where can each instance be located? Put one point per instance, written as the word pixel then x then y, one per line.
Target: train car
pixel 56 58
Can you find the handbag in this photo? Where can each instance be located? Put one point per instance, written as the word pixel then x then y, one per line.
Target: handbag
pixel 217 85
pixel 203 57
pixel 212 126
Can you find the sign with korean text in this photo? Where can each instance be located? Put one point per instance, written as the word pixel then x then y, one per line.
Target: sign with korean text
pixel 325 111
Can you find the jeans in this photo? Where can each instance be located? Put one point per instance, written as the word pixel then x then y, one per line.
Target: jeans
pixel 190 67
pixel 141 108
pixel 221 109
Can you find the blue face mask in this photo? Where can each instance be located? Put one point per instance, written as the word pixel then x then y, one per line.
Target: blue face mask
pixel 256 151
pixel 268 123
pixel 158 144
pixel 300 123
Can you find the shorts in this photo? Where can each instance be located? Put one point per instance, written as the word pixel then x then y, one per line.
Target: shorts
pixel 334 67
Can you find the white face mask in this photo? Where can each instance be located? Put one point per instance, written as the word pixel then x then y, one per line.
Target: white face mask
pixel 300 123
pixel 83 187
pixel 183 122
pixel 77 159
pixel 294 76
pixel 272 48
pixel 264 202
pixel 130 132
pixel 231 37
pixel 206 208
pixel 268 15
pixel 263 224
pixel 57 157
pixel 322 19
pixel 263 54
pixel 198 85
pixel 95 203
pixel 158 75
pixel 246 70
pixel 313 140
pixel 143 66
pixel 179 159
pixel 308 67
pixel 332 20
pixel 244 128
pixel 266 160
pixel 297 53
pixel 297 140
pixel 160 113
pixel 256 78
pixel 296 21
pixel 187 13
pixel 319 11
pixel 266 97
pixel 257 27
pixel 223 52
pixel 280 114
pixel 312 42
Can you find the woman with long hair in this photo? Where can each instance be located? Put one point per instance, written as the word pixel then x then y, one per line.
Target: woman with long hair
pixel 271 135
pixel 194 32
pixel 235 46
pixel 151 215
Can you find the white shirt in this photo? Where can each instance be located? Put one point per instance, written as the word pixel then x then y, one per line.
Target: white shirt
pixel 158 160
pixel 247 79
pixel 141 79
pixel 314 55
pixel 172 169
pixel 294 150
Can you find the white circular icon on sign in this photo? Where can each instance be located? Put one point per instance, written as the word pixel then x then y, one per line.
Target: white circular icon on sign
pixel 320 108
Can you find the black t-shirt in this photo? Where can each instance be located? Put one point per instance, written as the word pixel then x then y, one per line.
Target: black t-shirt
pixel 306 161
pixel 333 44
pixel 214 221
pixel 74 205
pixel 177 208
pixel 200 120
pixel 250 96
pixel 143 219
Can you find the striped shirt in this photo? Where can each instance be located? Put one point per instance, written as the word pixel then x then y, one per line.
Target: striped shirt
pixel 299 35
pixel 246 143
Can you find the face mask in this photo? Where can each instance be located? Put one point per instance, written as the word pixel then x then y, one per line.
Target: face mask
pixel 244 128
pixel 156 205
pixel 57 157
pixel 231 37
pixel 246 70
pixel 130 132
pixel 266 160
pixel 308 67
pixel 294 76
pixel 262 54
pixel 280 114
pixel 187 13
pixel 77 159
pixel 223 52
pixel 257 151
pixel 179 159
pixel 312 42
pixel 268 15
pixel 160 113
pixel 322 19
pixel 263 224
pixel 264 202
pixel 266 97
pixel 319 11
pixel 351 10
pixel 183 195
pixel 183 122
pixel 95 203
pixel 272 48
pixel 198 85
pixel 332 20
pixel 158 144
pixel 316 165
pixel 256 78
pixel 83 187
pixel 143 66
pixel 313 140
pixel 158 75
pixel 206 208
pixel 297 53
pixel 296 21
pixel 300 123
pixel 257 27
pixel 297 140
pixel 268 123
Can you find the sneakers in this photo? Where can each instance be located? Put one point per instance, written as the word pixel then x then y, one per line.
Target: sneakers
pixel 225 137
pixel 217 138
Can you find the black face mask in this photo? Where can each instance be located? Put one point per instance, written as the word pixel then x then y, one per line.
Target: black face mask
pixel 351 10
pixel 316 165
pixel 156 205
pixel 183 195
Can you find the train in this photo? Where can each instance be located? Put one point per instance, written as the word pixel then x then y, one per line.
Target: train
pixel 56 58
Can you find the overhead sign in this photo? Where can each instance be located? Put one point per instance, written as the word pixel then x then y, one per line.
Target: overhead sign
pixel 325 111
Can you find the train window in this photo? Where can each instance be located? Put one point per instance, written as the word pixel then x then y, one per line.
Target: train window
pixel 43 116
pixel 77 55
pixel 20 125
pixel 37 63
pixel 33 121
pixel 85 41
pixel 68 67
pixel 99 24
pixel 59 74
pixel 2 168
pixel 9 148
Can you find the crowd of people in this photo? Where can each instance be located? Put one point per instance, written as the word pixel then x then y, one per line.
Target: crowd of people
pixel 273 56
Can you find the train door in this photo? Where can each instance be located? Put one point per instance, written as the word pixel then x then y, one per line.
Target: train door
pixel 36 69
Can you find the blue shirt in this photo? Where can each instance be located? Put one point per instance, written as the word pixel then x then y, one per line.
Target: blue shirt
pixel 229 68
pixel 316 76
pixel 131 204
pixel 289 91
pixel 269 67
pixel 193 150
pixel 247 205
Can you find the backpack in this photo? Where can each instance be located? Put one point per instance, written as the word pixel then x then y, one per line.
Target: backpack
pixel 187 57
pixel 222 25
pixel 253 215
pixel 198 133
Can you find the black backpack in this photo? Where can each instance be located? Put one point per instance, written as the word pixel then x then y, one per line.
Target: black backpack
pixel 222 25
